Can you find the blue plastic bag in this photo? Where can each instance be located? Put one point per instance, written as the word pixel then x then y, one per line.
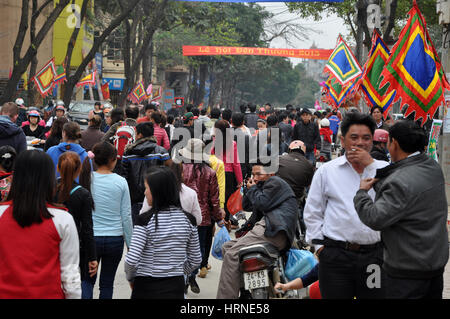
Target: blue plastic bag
pixel 299 263
pixel 220 238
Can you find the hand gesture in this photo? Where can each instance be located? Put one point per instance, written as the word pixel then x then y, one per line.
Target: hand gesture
pixel 367 183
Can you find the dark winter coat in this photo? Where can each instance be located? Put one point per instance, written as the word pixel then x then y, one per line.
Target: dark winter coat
pixel 12 135
pixel 410 210
pixel 137 158
pixel 274 201
pixel 308 134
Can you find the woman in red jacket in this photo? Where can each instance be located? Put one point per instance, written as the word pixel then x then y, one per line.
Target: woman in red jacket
pixel 225 148
pixel 39 245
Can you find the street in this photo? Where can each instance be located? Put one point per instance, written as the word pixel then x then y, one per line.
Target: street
pixel 208 285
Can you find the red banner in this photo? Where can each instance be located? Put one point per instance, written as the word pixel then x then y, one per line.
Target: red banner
pixel 316 54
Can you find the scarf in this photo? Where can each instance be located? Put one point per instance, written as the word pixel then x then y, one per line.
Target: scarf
pixel 327 133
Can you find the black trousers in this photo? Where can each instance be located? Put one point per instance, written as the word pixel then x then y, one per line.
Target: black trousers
pixel 230 188
pixel 406 288
pixel 345 274
pixel 158 288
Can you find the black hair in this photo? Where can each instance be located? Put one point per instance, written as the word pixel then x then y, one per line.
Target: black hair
pixel 409 135
pixel 157 117
pixel 189 107
pixel 226 114
pixel 215 113
pixel 132 111
pixel 243 108
pixel 32 187
pixel 104 153
pixel 226 138
pixel 146 129
pixel 150 106
pixel 203 111
pixel 163 186
pixel 352 118
pixel 117 115
pixel 272 120
pixel 7 157
pixel 252 108
pixel 57 127
pixel 170 119
pixel 376 107
pixel 237 119
pixel 282 116
pixel 195 111
pixel 72 130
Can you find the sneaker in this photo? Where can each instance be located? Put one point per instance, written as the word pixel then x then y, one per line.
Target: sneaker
pixel 203 272
pixel 194 286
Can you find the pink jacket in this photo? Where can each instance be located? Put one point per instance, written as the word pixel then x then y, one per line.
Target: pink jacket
pixel 161 137
pixel 232 165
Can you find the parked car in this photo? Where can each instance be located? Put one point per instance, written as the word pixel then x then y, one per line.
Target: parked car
pixel 79 111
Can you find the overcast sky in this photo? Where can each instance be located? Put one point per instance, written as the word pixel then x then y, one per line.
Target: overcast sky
pixel 330 27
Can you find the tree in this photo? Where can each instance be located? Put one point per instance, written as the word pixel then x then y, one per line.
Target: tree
pixel 115 21
pixel 21 63
pixel 354 14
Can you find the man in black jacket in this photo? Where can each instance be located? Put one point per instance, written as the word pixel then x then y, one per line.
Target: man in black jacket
pixel 138 157
pixel 307 131
pixel 410 210
pixel 275 211
pixel 10 133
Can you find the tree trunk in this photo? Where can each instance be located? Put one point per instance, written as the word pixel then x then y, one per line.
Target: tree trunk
pixel 203 70
pixel 72 80
pixel 21 64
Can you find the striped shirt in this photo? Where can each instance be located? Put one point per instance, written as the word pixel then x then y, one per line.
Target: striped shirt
pixel 171 250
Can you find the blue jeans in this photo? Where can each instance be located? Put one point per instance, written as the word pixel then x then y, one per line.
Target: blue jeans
pixel 109 254
pixel 311 157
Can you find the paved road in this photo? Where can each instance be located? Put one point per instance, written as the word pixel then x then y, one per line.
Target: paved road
pixel 208 285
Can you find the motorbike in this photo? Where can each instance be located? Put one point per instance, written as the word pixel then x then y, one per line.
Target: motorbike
pixel 263 265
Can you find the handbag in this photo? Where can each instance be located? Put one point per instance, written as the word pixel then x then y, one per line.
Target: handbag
pixel 234 203
pixel 220 238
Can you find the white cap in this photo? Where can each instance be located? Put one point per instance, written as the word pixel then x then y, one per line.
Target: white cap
pixel 324 122
pixel 20 101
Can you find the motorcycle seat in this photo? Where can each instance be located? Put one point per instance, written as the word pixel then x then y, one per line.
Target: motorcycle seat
pixel 264 248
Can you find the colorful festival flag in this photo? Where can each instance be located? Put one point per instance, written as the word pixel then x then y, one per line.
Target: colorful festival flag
pixel 415 71
pixel 138 94
pixel 88 80
pixel 342 64
pixel 60 75
pixel 370 79
pixel 105 91
pixel 44 79
pixel 336 94
pixel 157 96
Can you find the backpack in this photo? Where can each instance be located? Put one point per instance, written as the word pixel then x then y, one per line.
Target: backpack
pixel 125 135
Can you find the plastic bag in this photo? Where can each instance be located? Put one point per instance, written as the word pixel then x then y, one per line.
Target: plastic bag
pixel 234 203
pixel 299 263
pixel 220 238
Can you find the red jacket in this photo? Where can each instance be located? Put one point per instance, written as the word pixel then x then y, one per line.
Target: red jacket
pixel 204 182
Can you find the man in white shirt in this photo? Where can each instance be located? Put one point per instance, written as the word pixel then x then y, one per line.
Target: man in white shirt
pixel 349 251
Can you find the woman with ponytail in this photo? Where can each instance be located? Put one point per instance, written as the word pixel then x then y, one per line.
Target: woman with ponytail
pixel 78 201
pixel 7 158
pixel 71 136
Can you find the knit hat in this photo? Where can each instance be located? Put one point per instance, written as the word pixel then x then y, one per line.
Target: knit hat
pixel 194 150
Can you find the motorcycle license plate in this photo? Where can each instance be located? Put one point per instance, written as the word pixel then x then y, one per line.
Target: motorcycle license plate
pixel 256 279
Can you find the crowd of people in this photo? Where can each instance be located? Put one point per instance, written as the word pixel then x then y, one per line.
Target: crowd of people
pixel 158 182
